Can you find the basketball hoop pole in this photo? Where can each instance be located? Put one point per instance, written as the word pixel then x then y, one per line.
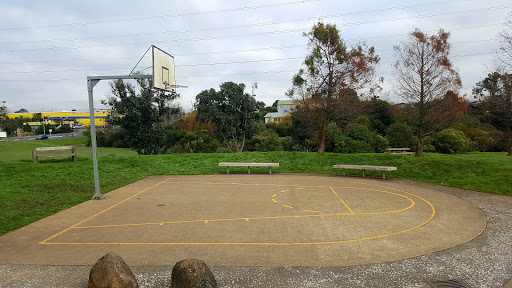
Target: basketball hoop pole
pixel 91 82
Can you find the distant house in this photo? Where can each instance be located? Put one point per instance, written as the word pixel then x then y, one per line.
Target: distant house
pixel 284 107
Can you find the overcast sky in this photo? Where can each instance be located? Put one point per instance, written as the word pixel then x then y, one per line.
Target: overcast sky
pixel 48 48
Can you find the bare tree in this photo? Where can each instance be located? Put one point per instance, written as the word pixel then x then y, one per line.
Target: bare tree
pixel 423 75
pixel 505 53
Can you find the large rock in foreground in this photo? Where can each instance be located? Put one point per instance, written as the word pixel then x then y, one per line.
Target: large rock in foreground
pixel 192 273
pixel 110 271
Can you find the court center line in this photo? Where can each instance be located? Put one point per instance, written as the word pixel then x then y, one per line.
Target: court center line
pixel 351 212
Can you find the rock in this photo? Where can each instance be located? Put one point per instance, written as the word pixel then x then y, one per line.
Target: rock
pixel 110 271
pixel 192 273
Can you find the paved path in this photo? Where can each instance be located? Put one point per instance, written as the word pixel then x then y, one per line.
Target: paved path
pixel 482 262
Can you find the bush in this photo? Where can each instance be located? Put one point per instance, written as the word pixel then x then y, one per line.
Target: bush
pixel 344 144
pixel 400 135
pixel 195 143
pixel 451 141
pixel 380 144
pixel 332 132
pixel 361 133
pixel 266 141
pixel 64 129
pixel 283 129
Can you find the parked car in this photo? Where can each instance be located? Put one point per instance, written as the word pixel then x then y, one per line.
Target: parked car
pixel 42 137
pixel 79 126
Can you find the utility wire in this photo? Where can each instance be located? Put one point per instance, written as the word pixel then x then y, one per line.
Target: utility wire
pixel 362 12
pixel 272 32
pixel 85 23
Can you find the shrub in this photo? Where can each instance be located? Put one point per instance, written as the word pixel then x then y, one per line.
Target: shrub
pixel 64 129
pixel 400 135
pixel 380 144
pixel 332 132
pixel 266 141
pixel 451 141
pixel 344 144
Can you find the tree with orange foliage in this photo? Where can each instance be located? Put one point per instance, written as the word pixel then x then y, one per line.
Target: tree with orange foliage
pixel 189 123
pixel 423 76
pixel 334 79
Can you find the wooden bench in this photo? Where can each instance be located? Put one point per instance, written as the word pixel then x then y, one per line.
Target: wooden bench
pixel 401 151
pixel 366 167
pixel 236 164
pixel 46 152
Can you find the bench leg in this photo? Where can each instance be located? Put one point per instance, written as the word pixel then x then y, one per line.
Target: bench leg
pixel 363 172
pixel 383 174
pixel 228 169
pixel 248 169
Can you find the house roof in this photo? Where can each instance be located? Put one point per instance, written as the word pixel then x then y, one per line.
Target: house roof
pixel 285 102
pixel 277 114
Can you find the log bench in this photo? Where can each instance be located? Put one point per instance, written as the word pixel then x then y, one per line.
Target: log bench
pixel 249 165
pixel 49 152
pixel 366 167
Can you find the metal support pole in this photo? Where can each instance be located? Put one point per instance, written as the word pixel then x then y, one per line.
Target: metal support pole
pixel 269 169
pixel 343 171
pixel 90 86
pixel 228 169
pixel 248 169
pixel 363 172
pixel 383 174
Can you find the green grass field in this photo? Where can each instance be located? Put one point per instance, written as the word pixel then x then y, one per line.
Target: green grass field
pixel 30 191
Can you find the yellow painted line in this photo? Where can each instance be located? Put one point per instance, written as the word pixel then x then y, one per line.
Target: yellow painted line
pixel 274 243
pixel 274 195
pixel 283 191
pixel 161 224
pixel 275 201
pixel 287 206
pixel 99 213
pixel 312 211
pixel 247 219
pixel 259 218
pixel 352 212
pixel 206 221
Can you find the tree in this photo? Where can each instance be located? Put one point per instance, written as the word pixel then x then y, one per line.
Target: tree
pixel 423 75
pixel 334 78
pixel 22 110
pixel 495 92
pixel 3 109
pixel 231 110
pixel 506 49
pixel 140 115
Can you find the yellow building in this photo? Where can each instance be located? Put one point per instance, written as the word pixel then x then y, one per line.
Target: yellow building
pixel 68 117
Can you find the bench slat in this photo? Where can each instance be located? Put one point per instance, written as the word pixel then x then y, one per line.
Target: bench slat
pixel 233 164
pixel 365 167
pixel 55 155
pixel 54 148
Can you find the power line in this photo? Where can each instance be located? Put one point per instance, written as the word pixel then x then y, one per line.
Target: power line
pixel 271 32
pixel 160 16
pixel 210 64
pixel 243 25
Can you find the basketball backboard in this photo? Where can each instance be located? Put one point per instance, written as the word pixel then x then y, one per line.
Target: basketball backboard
pixel 163 70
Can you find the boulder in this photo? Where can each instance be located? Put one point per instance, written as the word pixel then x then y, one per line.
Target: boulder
pixel 110 271
pixel 192 273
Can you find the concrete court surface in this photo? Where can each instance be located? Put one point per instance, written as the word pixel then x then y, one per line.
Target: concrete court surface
pixel 250 220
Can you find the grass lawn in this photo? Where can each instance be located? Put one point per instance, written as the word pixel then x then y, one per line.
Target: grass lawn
pixel 30 191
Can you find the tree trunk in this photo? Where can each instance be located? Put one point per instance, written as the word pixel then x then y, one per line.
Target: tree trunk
pixel 419 152
pixel 323 132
